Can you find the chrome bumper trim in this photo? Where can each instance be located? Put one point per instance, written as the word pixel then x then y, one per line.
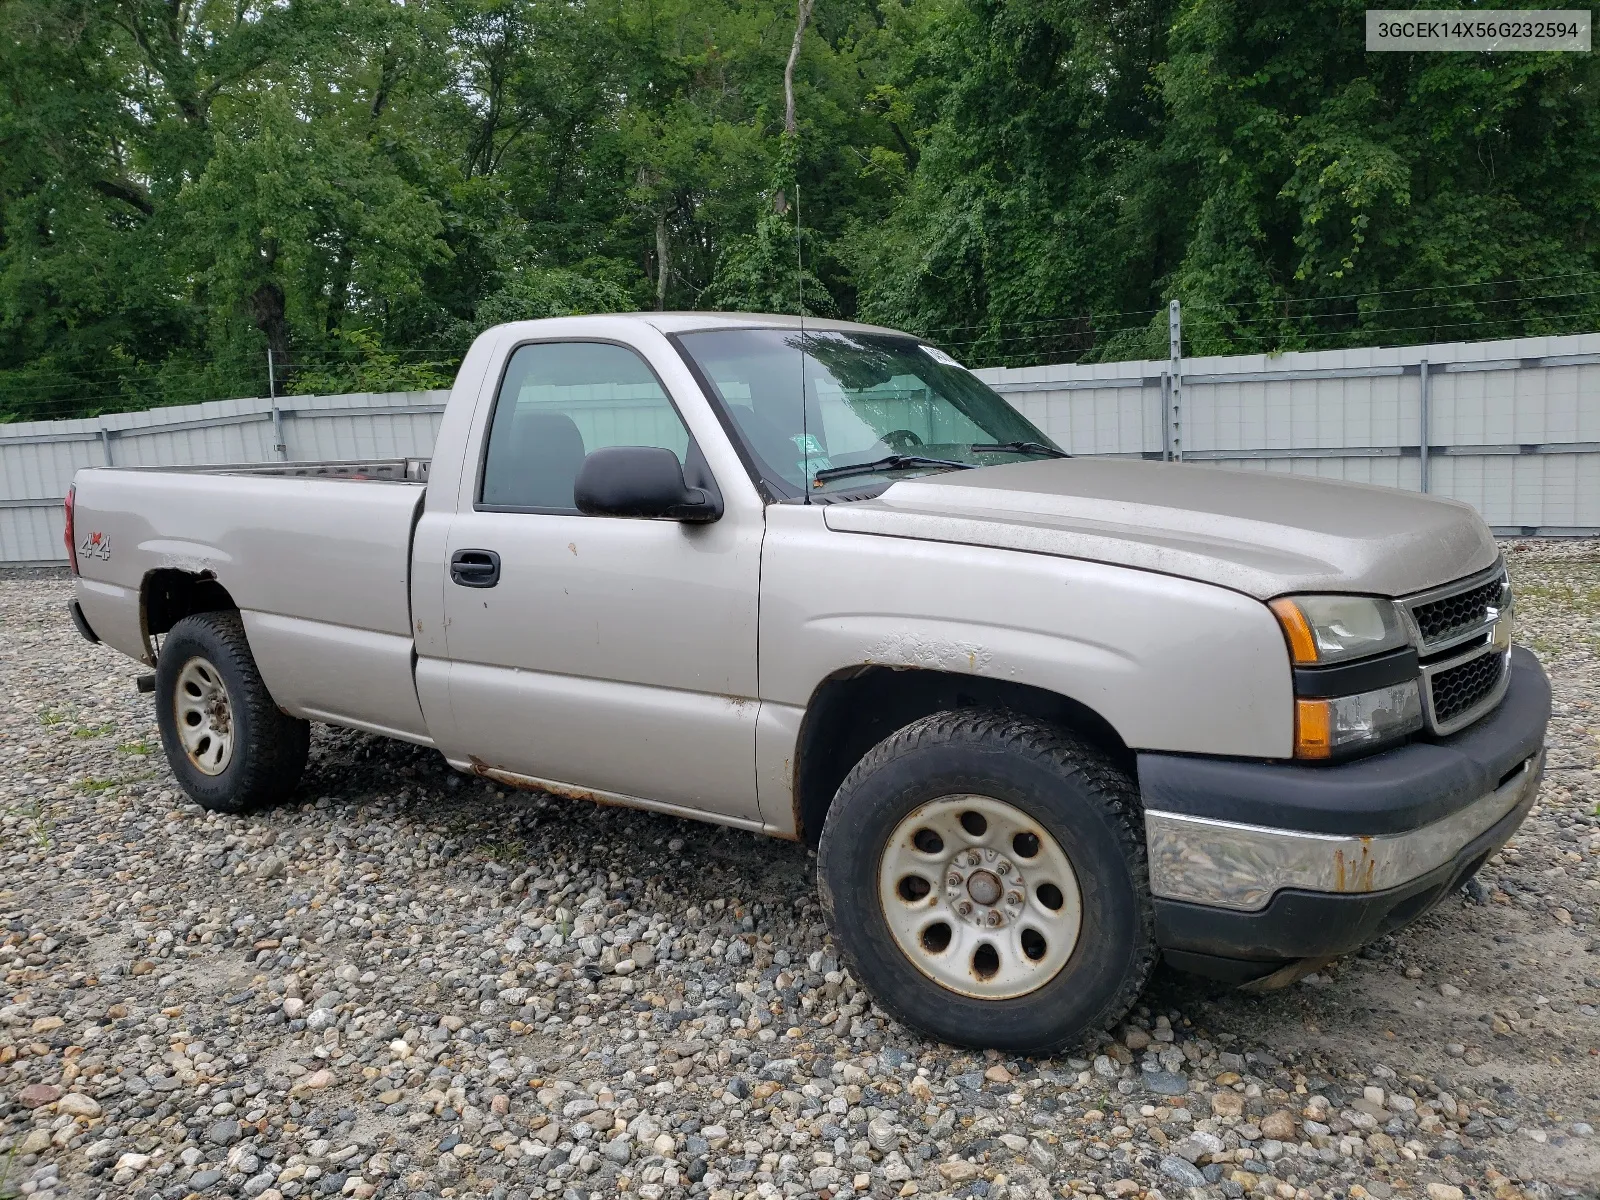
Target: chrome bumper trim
pixel 1229 865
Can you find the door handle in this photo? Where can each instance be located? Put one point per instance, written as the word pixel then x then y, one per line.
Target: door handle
pixel 475 568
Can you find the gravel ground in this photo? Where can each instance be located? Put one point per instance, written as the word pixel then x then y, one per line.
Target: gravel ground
pixel 410 984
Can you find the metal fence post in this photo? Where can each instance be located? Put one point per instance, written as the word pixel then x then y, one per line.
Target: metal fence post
pixel 1166 416
pixel 1424 419
pixel 105 446
pixel 1175 383
pixel 279 442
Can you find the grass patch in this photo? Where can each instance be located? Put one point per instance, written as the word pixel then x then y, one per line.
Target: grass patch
pixel 94 786
pixel 89 731
pixel 38 827
pixel 140 748
pixel 8 1189
pixel 51 716
pixel 1581 598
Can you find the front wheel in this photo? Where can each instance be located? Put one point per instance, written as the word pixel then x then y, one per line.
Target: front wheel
pixel 984 873
pixel 229 745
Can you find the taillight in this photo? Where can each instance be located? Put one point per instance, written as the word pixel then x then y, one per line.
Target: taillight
pixel 67 537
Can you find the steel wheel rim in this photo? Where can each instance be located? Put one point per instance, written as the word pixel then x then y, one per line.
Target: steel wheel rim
pixel 204 713
pixel 994 922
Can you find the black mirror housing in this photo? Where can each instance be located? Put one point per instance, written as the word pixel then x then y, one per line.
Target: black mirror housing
pixel 645 482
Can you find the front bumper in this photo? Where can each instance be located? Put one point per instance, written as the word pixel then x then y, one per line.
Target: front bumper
pixel 1255 866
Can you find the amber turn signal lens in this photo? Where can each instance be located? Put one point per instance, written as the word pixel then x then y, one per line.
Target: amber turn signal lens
pixel 1313 735
pixel 1302 644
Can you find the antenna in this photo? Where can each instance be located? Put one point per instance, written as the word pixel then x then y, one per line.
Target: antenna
pixel 800 286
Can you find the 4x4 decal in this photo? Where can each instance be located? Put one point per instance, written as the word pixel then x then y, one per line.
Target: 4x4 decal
pixel 96 545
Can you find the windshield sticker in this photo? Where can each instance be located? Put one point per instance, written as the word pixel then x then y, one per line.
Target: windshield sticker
pixel 815 460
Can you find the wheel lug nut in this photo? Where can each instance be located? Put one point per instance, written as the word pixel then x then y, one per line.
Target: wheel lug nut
pixel 1003 867
pixel 1014 898
pixel 955 880
pixel 993 919
pixel 964 909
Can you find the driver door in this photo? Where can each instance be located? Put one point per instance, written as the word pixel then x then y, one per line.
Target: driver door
pixel 602 654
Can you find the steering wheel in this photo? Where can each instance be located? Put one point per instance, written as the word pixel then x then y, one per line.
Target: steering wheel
pixel 900 440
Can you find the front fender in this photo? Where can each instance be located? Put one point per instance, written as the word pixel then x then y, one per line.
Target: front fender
pixel 1171 664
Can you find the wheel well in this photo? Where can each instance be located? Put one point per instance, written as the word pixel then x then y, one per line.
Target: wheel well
pixel 853 711
pixel 168 596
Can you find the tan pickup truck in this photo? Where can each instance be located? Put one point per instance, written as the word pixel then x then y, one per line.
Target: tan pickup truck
pixel 1045 718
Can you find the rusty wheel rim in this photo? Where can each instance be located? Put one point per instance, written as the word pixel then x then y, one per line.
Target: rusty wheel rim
pixel 980 897
pixel 204 713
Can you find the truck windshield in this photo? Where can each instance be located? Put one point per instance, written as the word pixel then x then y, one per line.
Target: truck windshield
pixel 885 405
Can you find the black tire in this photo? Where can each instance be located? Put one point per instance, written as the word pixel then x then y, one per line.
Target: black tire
pixel 269 747
pixel 1066 784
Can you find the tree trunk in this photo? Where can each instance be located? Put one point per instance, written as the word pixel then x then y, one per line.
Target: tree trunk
pixel 802 15
pixel 663 262
pixel 267 309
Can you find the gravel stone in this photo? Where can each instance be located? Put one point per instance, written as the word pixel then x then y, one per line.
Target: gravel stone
pixel 407 982
pixel 75 1105
pixel 1166 1083
pixel 37 1095
pixel 1182 1171
pixel 1199 1144
pixel 1278 1125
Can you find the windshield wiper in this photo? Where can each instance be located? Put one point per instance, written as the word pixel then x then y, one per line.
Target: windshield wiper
pixel 1022 448
pixel 892 462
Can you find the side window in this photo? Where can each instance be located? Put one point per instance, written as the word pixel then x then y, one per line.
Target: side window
pixel 559 402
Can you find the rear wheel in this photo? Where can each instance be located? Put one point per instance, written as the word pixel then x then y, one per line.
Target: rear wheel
pixel 984 873
pixel 229 745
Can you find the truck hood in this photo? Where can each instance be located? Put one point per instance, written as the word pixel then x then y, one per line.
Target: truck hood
pixel 1261 533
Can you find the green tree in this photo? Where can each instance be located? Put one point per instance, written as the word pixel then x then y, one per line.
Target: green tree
pixel 1344 198
pixel 357 186
pixel 1035 206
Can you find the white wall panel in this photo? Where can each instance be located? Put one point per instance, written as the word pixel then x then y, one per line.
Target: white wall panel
pixel 31 534
pixel 1516 402
pixel 39 458
pixel 1518 405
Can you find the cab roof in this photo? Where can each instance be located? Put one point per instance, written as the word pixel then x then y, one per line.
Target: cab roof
pixel 694 322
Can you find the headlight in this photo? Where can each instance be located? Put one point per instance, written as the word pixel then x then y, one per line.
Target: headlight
pixel 1323 728
pixel 1334 629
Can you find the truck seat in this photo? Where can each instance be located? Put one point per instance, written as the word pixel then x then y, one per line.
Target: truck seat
pixel 541 465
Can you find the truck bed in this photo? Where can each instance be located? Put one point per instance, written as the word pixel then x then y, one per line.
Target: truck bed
pixel 319 570
pixel 365 470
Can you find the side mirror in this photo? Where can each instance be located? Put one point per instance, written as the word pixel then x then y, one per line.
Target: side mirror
pixel 640 481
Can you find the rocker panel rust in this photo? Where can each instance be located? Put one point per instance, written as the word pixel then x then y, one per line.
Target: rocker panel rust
pixel 568 791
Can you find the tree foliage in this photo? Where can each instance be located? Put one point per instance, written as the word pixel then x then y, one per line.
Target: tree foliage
pixel 356 186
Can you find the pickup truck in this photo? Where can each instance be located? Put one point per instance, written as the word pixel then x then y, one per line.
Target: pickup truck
pixel 1045 719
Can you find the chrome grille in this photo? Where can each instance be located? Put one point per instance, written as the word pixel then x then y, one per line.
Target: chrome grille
pixel 1462 632
pixel 1458 612
pixel 1440 620
pixel 1458 690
